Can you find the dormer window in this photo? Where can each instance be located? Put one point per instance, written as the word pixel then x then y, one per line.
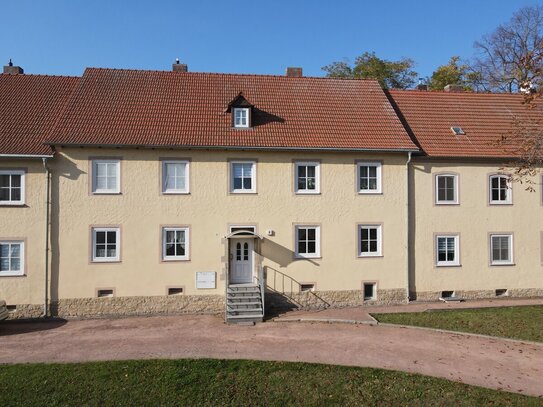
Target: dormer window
pixel 241 110
pixel 241 117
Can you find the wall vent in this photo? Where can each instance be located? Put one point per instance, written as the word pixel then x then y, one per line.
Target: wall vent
pixel 175 290
pixel 501 292
pixel 106 292
pixel 307 287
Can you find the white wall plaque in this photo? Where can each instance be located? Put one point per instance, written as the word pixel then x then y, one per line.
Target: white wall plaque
pixel 206 279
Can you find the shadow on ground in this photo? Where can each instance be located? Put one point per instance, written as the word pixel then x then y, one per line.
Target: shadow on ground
pixel 17 327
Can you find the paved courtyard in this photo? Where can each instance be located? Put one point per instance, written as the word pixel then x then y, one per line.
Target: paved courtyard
pixel 500 364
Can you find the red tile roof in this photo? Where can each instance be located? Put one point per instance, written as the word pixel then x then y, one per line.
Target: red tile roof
pixel 154 108
pixel 484 117
pixel 29 107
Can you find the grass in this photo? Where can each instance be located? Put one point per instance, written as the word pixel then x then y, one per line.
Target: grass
pixel 207 382
pixel 508 322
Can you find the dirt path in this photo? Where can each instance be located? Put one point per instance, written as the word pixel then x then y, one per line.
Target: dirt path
pixel 498 364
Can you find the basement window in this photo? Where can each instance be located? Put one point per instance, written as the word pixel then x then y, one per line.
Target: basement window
pixel 458 131
pixel 175 290
pixel 369 291
pixel 447 294
pixel 11 308
pixel 501 292
pixel 307 287
pixel 103 293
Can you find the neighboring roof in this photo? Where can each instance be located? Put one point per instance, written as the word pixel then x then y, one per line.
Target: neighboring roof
pixel 484 118
pixel 29 107
pixel 176 109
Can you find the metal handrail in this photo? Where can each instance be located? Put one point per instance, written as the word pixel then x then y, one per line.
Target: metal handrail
pixel 260 282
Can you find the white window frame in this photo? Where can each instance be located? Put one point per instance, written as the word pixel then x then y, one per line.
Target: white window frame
pixel 22 174
pixel 185 190
pixel 317 253
pixel 455 186
pixel 509 190
pixel 306 191
pixel 247 118
pixel 95 163
pixel 510 248
pixel 378 165
pixel 379 251
pixel 117 256
pixel 253 178
pixel 448 263
pixel 21 270
pixel 167 229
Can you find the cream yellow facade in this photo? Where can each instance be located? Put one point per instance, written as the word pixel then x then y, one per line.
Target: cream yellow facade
pixel 209 209
pixel 473 219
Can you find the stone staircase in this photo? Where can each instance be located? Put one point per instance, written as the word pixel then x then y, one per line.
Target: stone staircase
pixel 244 304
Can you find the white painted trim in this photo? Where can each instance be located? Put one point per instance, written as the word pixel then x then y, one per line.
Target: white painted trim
pixel 446 263
pixel 21 270
pixel 166 229
pixel 22 173
pixel 253 177
pixel 379 251
pixel 317 253
pixel 94 164
pixel 117 244
pixel 455 187
pixel 378 165
pixel 510 249
pixel 186 190
pixel 317 166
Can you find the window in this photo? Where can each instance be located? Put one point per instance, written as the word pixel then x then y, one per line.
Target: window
pixel 105 244
pixel 369 291
pixel 369 237
pixel 243 174
pixel 369 177
pixel 11 258
pixel 241 117
pixel 500 189
pixel 175 290
pixel 12 187
pixel 501 249
pixel 175 242
pixel 106 176
pixel 305 287
pixel 307 177
pixel 105 292
pixel 447 251
pixel 308 241
pixel 175 177
pixel 458 131
pixel 446 189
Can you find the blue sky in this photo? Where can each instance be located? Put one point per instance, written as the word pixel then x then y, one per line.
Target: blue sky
pixel 63 37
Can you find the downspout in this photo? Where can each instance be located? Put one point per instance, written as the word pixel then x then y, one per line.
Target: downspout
pixel 407 240
pixel 46 266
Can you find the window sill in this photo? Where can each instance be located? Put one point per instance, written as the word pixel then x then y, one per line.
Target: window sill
pixel 106 193
pixel 13 205
pixel 175 193
pixel 370 193
pixel 301 193
pixel 105 261
pixel 447 265
pixel 11 275
pixel 242 192
pixel 447 203
pixel 494 203
pixel 501 264
pixel 174 260
pixel 369 256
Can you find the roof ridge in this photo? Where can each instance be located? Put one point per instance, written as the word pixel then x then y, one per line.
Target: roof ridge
pixel 34 75
pixel 229 74
pixel 463 93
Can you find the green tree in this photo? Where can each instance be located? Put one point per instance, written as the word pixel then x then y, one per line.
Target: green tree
pixel 390 74
pixel 453 73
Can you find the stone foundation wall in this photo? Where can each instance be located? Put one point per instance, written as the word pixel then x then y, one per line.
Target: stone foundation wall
pixel 126 306
pixel 280 302
pixel 480 294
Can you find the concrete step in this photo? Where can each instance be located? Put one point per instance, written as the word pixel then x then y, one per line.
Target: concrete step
pixel 245 304
pixel 249 312
pixel 243 297
pixel 244 320
pixel 248 291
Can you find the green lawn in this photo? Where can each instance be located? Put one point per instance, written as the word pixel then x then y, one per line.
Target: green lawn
pixel 508 322
pixel 232 383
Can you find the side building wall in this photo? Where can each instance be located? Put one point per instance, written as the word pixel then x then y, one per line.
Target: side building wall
pixel 473 220
pixel 26 223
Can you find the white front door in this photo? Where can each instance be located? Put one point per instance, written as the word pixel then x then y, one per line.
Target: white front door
pixel 241 261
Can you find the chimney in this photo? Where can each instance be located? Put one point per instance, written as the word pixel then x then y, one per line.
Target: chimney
pixel 422 85
pixel 13 70
pixel 177 67
pixel 294 72
pixel 454 88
